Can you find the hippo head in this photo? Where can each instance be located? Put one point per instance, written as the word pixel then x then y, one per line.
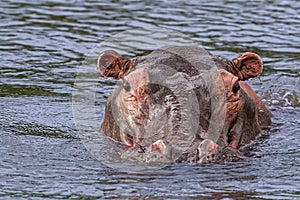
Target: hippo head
pixel 142 114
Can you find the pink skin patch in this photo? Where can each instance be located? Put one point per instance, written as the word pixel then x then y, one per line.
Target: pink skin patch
pixel 159 145
pixel 211 146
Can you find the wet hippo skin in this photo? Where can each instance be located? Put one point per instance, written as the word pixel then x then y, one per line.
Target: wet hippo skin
pixel 134 103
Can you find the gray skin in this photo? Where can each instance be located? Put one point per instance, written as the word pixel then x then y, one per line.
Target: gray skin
pixel 133 103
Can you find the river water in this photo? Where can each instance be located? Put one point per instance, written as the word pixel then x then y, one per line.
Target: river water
pixel 43 45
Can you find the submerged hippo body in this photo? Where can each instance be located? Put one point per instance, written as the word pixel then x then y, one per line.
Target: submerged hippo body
pixel 152 119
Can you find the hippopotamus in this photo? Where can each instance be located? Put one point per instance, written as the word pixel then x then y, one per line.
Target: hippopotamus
pixel 183 104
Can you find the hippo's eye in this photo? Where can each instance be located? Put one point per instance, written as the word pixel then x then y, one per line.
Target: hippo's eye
pixel 236 87
pixel 126 86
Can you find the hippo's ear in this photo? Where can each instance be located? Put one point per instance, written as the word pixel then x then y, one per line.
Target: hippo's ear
pixel 112 64
pixel 249 65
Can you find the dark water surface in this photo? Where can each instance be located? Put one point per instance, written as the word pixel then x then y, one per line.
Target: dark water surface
pixel 42 45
